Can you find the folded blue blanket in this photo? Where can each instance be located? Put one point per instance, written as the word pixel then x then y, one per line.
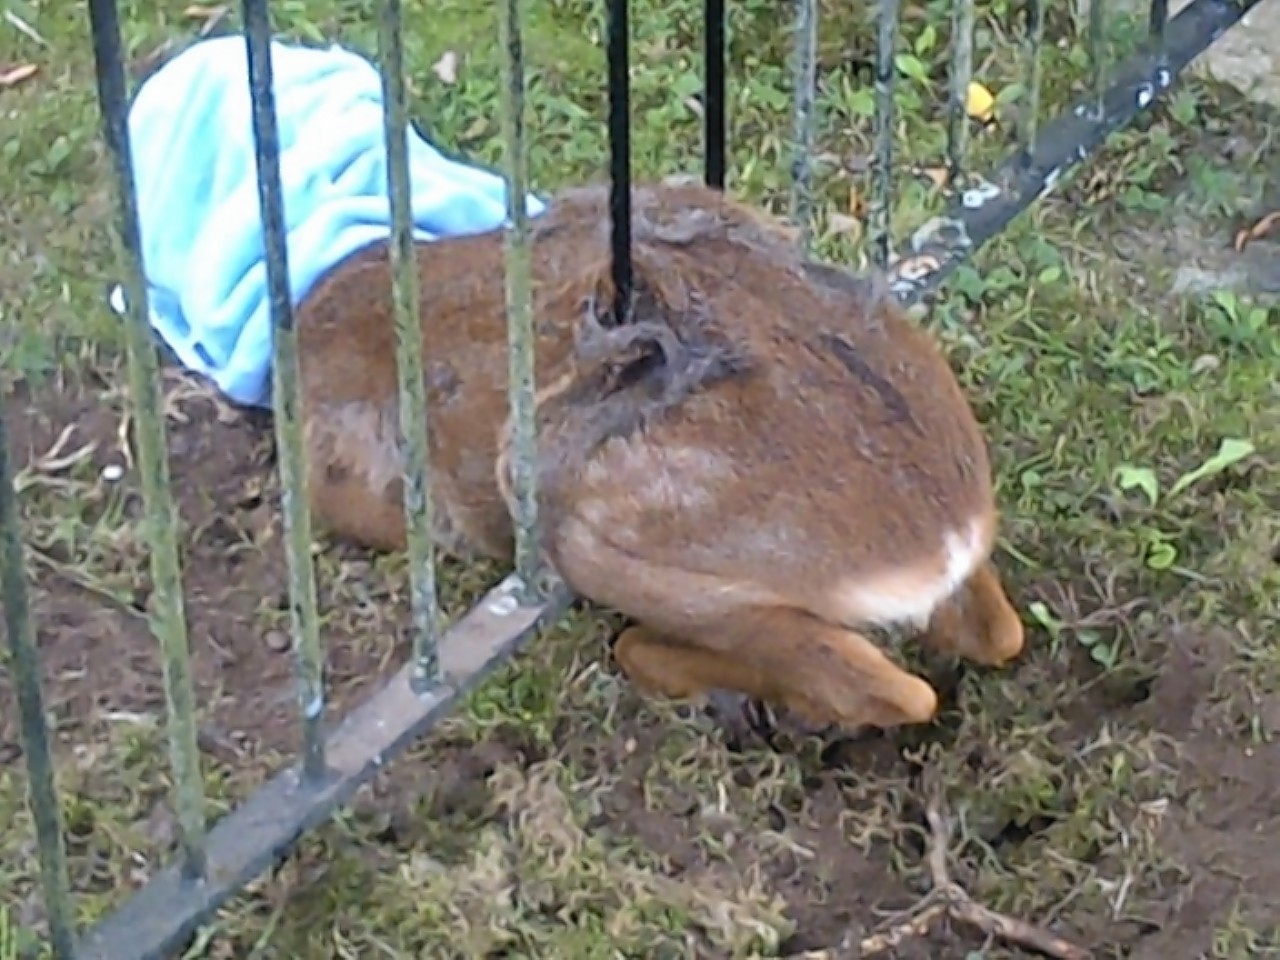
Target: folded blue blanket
pixel 201 228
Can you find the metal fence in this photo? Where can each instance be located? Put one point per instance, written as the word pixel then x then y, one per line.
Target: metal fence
pixel 212 864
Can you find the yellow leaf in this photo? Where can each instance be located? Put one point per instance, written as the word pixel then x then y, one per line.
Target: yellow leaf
pixel 980 103
pixel 840 223
pixel 857 206
pixel 938 176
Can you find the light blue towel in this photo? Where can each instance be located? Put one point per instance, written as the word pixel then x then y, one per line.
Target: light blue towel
pixel 198 202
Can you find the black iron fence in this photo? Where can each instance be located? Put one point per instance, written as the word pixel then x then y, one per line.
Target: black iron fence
pixel 212 864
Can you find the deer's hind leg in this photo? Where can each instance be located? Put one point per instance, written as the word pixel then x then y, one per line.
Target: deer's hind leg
pixel 823 673
pixel 978 622
pixel 704 631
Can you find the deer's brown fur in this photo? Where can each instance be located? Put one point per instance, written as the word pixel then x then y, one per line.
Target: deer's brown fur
pixel 768 458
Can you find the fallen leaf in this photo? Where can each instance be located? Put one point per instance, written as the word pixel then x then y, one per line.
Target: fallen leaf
pixel 476 129
pixel 446 68
pixel 1230 451
pixel 938 176
pixel 1139 478
pixel 200 11
pixel 15 76
pixel 857 205
pixel 1259 230
pixel 915 268
pixel 1205 363
pixel 980 103
pixel 839 223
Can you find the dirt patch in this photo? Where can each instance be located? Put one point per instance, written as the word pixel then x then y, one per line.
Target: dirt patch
pixel 1226 813
pixel 91 587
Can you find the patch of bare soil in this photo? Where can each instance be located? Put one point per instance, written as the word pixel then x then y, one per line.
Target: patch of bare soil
pixel 98 653
pixel 839 882
pixel 1224 823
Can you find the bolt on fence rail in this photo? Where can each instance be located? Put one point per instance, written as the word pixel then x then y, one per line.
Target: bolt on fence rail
pixel 211 868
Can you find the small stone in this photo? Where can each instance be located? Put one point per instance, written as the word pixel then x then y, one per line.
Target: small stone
pixel 1205 363
pixel 277 641
pixel 113 473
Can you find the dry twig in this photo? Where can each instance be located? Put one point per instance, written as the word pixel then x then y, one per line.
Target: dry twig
pixel 948 898
pixel 1257 230
pixel 964 909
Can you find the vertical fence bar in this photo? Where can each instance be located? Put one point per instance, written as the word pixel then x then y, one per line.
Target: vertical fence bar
pixel 167 616
pixel 1097 56
pixel 289 443
pixel 804 93
pixel 882 183
pixel 1031 108
pixel 1158 19
pixel 424 602
pixel 42 795
pixel 620 156
pixel 962 23
pixel 520 357
pixel 713 82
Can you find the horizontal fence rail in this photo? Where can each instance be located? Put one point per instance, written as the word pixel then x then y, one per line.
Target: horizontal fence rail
pixel 211 866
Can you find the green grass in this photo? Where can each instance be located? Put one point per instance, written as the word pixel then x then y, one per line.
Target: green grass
pixel 595 825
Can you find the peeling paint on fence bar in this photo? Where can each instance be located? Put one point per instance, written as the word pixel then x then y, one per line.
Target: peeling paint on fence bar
pixel 804 82
pixel 289 442
pixel 882 181
pixel 962 20
pixel 1031 106
pixel 167 615
pixel 1097 56
pixel 521 384
pixel 1158 18
pixel 418 506
pixel 24 666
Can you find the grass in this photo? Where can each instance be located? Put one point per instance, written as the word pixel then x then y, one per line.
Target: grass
pixel 559 816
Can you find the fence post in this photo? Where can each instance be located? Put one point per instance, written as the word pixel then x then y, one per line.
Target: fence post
pixel 521 382
pixel 618 53
pixel 961 75
pixel 418 505
pixel 804 91
pixel 289 440
pixel 167 615
pixel 713 106
pixel 42 794
pixel 882 182
pixel 1031 108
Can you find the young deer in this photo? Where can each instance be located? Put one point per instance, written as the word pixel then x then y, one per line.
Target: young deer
pixel 767 459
